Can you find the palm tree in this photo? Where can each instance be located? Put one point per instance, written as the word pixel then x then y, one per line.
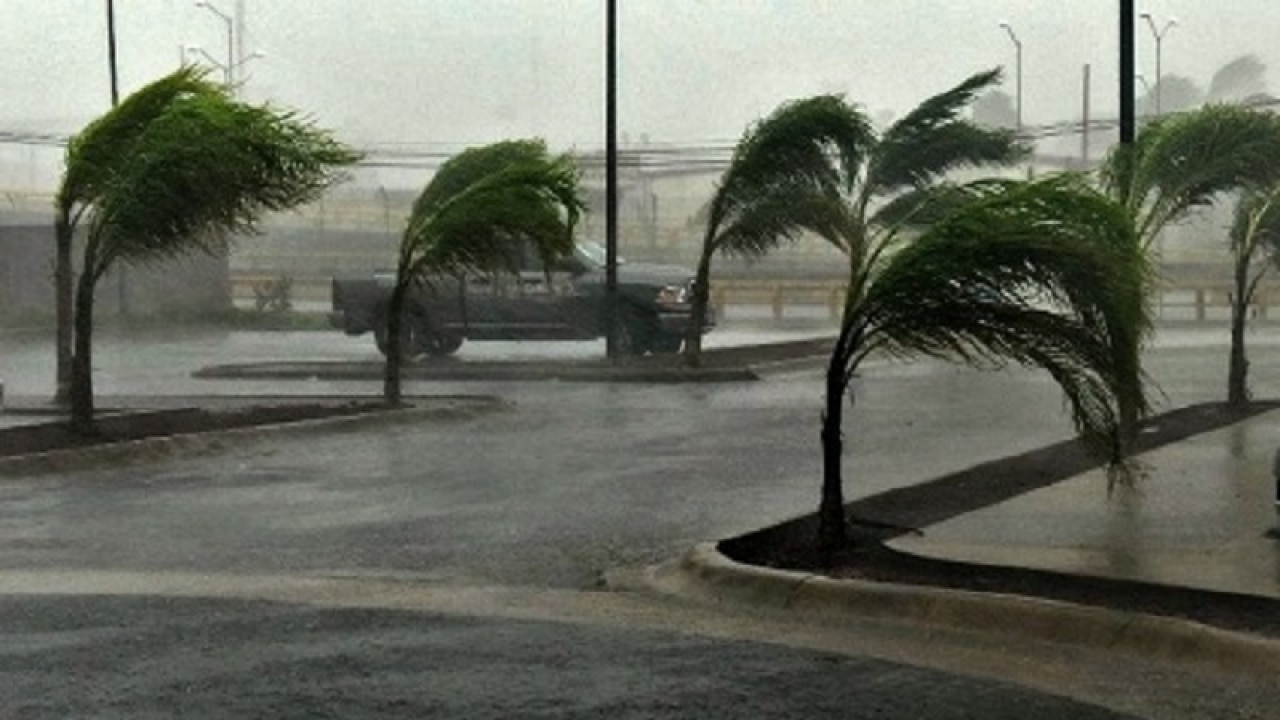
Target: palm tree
pixel 817 166
pixel 781 183
pixel 1039 273
pixel 92 157
pixel 473 217
pixel 1187 162
pixel 1255 247
pixel 196 166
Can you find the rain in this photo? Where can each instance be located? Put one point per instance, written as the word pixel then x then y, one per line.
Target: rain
pixel 518 518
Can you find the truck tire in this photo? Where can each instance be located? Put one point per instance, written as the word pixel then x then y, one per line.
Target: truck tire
pixel 411 336
pixel 633 334
pixel 666 343
pixel 441 344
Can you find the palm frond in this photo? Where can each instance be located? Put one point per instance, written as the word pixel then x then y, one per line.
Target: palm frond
pixel 780 214
pixel 94 154
pixel 472 165
pixel 209 165
pixel 920 207
pixel 805 146
pixel 935 138
pixel 480 227
pixel 1042 274
pixel 1193 159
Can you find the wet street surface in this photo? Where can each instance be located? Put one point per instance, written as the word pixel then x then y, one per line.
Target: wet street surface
pixel 572 482
pixel 109 657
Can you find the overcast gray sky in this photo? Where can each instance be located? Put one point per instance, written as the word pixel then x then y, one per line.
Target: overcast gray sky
pixel 455 72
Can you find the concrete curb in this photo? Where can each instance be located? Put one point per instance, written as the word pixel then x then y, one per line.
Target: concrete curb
pixel 489 371
pixel 192 444
pixel 706 575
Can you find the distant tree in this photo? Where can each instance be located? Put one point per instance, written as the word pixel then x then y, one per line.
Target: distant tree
pixel 1239 79
pixel 1177 94
pixel 173 170
pixel 1255 250
pixel 995 109
pixel 473 216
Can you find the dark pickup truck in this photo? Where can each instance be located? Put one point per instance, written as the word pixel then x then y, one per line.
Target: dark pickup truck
pixel 567 303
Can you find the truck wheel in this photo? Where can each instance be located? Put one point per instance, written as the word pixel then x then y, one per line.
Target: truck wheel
pixel 667 343
pixel 411 337
pixel 633 334
pixel 441 344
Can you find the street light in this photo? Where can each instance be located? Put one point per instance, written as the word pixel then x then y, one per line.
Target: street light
pixel 1158 33
pixel 227 70
pixel 1142 80
pixel 1017 44
pixel 231 63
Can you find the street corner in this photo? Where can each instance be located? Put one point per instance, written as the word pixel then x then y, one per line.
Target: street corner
pixel 706 576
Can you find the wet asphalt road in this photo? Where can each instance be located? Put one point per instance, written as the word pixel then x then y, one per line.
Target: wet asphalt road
pixel 571 482
pixel 213 660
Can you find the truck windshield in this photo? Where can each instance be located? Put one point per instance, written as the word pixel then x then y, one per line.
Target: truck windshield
pixel 594 253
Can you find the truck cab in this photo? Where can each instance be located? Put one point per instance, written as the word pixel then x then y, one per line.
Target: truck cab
pixel 565 300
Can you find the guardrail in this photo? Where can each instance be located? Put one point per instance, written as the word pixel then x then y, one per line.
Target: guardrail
pixel 783 298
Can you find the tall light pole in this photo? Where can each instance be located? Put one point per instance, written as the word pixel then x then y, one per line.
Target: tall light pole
pixel 1158 32
pixel 111 53
pixel 227 70
pixel 229 67
pixel 1127 71
pixel 611 179
pixel 1017 44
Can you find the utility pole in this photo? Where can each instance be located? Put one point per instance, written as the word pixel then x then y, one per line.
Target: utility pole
pixel 122 274
pixel 611 180
pixel 1084 121
pixel 1128 71
pixel 111 53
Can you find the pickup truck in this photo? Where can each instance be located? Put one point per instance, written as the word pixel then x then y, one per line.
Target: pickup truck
pixel 565 303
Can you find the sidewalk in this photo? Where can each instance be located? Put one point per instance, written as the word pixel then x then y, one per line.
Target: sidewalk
pixel 1198 520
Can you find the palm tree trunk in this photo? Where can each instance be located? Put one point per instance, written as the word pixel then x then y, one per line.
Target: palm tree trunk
pixel 698 310
pixel 832 533
pixel 1238 368
pixel 81 366
pixel 63 280
pixel 391 376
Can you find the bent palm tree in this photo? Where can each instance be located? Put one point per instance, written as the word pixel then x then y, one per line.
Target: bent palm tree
pixel 816 166
pixel 473 216
pixel 1255 244
pixel 1186 162
pixel 93 156
pixel 198 166
pixel 782 182
pixel 1037 273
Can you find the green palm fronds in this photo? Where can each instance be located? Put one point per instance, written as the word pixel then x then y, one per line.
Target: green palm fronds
pixel 206 167
pixel 475 215
pixel 935 139
pixel 1191 160
pixel 1040 273
pixel 485 201
pixel 169 171
pixel 802 148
